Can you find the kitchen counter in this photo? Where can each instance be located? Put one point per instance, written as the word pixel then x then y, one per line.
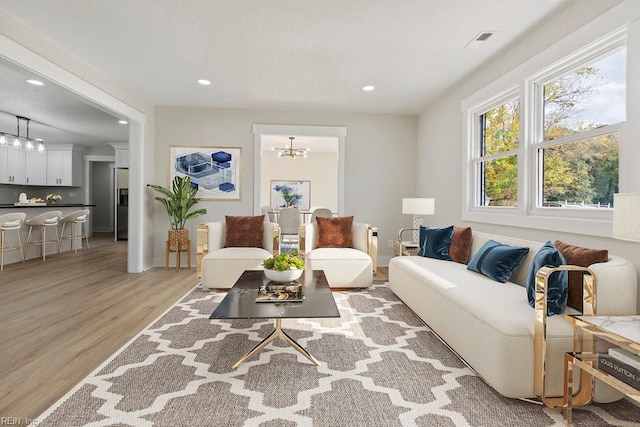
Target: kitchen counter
pixel 33 211
pixel 63 205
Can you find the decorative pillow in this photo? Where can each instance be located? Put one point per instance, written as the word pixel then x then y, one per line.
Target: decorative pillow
pixel 583 257
pixel 436 242
pixel 497 261
pixel 335 232
pixel 460 244
pixel 557 287
pixel 244 231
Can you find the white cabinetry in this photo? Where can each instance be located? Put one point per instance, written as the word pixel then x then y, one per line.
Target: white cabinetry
pixel 11 165
pixel 64 166
pixel 35 168
pixel 122 158
pixel 5 178
pixel 122 154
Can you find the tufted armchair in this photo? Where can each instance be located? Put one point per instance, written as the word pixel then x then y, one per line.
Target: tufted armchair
pixel 345 267
pixel 220 266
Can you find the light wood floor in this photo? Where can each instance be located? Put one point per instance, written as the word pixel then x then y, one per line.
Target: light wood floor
pixel 61 318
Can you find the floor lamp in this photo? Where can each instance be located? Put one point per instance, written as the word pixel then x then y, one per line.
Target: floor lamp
pixel 418 208
pixel 626 216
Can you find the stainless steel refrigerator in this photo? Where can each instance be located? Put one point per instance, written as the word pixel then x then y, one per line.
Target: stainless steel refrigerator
pixel 122 204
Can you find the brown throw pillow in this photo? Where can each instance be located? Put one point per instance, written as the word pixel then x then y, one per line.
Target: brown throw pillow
pixel 460 244
pixel 244 231
pixel 583 257
pixel 335 232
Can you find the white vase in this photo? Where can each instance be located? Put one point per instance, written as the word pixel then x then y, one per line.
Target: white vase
pixel 283 276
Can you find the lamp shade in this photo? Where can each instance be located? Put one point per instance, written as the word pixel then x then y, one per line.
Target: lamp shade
pixel 626 216
pixel 419 206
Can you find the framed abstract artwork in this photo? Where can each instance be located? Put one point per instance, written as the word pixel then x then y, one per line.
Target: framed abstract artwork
pixel 214 171
pixel 291 193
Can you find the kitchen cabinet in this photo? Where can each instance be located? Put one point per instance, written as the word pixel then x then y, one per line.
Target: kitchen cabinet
pixel 11 165
pixel 35 168
pixel 122 154
pixel 122 158
pixel 64 167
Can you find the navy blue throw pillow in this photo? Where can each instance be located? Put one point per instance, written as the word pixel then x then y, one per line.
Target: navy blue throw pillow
pixel 558 285
pixel 497 261
pixel 435 242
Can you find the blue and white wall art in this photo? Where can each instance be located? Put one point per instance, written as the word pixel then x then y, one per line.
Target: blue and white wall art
pixel 215 172
pixel 290 194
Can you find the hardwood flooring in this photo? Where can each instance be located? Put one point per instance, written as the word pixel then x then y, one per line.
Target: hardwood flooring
pixel 61 318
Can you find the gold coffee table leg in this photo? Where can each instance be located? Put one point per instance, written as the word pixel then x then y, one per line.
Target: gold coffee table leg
pixel 277 333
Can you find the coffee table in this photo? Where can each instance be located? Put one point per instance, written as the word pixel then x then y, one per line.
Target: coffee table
pixel 240 303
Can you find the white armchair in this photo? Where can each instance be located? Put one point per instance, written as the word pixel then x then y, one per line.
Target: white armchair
pixel 220 267
pixel 344 267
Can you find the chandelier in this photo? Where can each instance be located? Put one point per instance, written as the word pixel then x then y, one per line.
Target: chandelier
pixel 290 151
pixel 18 141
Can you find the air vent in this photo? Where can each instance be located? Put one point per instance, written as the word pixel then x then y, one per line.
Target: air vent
pixel 479 39
pixel 483 37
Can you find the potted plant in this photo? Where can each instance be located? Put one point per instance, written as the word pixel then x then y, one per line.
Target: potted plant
pixel 284 267
pixel 178 202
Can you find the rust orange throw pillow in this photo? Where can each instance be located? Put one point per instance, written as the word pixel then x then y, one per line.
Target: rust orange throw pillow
pixel 460 244
pixel 583 257
pixel 244 231
pixel 335 232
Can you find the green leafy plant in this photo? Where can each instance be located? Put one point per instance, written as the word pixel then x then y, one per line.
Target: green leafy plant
pixel 178 201
pixel 284 262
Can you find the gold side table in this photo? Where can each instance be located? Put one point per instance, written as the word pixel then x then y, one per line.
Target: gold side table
pixel 405 247
pixel 593 336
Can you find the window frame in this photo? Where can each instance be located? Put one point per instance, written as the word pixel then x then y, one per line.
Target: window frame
pixel 529 90
pixel 478 158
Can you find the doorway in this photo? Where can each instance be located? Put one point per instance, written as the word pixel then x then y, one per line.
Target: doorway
pixel 139 249
pixel 331 139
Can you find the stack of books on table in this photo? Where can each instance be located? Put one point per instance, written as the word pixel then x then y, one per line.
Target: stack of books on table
pixel 281 292
pixel 622 364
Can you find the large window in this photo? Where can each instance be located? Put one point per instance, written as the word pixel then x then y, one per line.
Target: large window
pixel 548 145
pixel 578 154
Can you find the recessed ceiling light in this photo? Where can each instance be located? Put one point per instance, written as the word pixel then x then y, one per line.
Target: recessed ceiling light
pixel 35 82
pixel 368 88
pixel 123 122
pixel 204 82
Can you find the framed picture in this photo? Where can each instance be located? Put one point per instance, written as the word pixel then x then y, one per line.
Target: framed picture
pixel 291 193
pixel 214 171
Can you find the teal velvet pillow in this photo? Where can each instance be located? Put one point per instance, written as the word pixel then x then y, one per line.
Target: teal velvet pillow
pixel 497 261
pixel 435 242
pixel 558 285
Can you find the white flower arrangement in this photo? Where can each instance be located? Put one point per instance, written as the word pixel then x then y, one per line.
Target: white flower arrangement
pixel 54 198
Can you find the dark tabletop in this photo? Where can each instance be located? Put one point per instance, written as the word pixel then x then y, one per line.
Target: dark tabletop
pixel 64 205
pixel 239 303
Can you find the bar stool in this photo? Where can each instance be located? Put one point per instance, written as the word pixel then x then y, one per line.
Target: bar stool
pixel 77 217
pixel 9 222
pixel 47 219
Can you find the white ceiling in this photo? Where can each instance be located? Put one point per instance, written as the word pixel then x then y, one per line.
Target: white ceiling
pixel 57 116
pixel 272 54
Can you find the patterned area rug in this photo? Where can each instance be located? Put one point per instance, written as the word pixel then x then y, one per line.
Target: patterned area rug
pixel 380 366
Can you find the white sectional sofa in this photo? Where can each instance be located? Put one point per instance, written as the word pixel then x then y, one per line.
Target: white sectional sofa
pixel 491 325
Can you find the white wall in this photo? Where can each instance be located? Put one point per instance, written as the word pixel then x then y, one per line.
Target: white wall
pixel 379 159
pixel 440 140
pixel 320 168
